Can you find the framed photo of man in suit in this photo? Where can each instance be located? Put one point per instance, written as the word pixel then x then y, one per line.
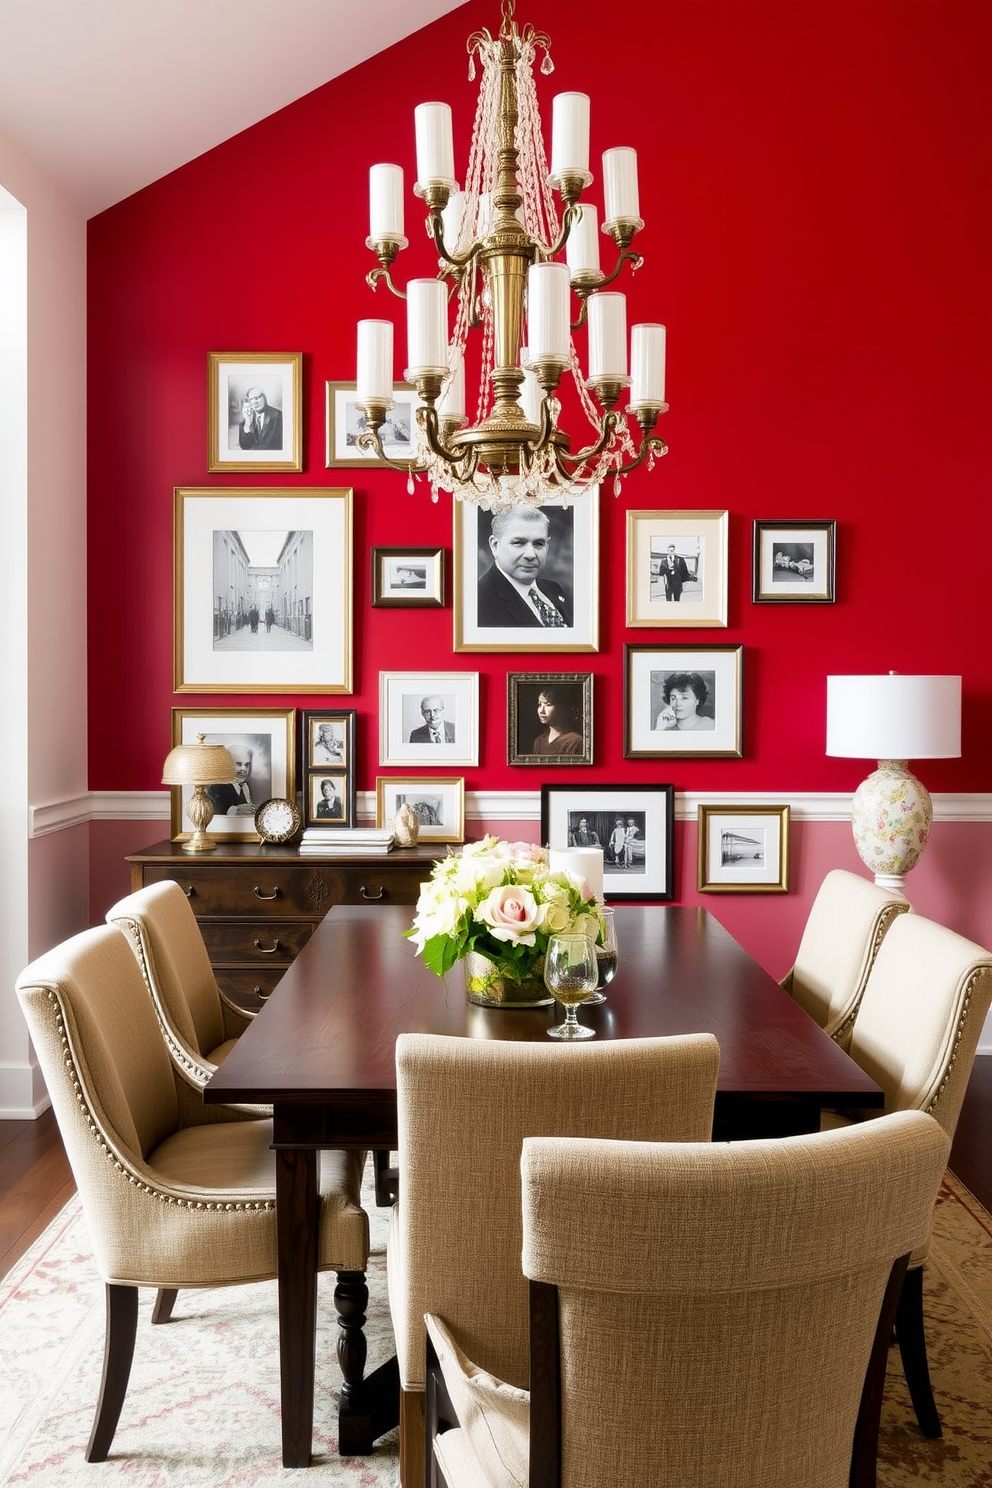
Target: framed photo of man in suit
pixel 429 718
pixel 677 569
pixel 527 579
pixel 261 741
pixel 255 410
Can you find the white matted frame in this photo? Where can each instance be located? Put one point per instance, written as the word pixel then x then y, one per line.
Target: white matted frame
pixel 269 735
pixel 743 850
pixel 437 801
pixel 345 421
pixel 705 720
pixel 301 541
pixel 408 704
pixel 235 441
pixel 794 562
pixel 677 568
pixel 490 617
pixel 634 825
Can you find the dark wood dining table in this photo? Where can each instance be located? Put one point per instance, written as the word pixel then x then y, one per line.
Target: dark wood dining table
pixel 322 1053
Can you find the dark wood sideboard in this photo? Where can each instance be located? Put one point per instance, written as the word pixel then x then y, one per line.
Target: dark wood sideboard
pixel 257 904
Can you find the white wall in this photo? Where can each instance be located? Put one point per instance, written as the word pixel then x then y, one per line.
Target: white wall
pixel 43 882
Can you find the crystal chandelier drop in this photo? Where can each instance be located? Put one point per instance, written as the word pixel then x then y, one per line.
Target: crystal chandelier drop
pixel 500 244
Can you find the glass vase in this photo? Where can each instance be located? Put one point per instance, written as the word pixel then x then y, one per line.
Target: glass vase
pixel 488 985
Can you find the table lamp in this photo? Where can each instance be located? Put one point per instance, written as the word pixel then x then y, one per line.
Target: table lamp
pixel 893 719
pixel 199 765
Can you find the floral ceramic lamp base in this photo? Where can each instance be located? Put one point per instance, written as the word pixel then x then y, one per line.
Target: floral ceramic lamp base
pixel 891 817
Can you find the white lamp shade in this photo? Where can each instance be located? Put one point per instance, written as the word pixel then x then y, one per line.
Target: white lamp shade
pixel 894 717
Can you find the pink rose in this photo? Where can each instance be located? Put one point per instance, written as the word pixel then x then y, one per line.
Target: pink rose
pixel 511 912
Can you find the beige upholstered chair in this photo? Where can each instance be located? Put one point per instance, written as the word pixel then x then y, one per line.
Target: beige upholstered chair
pixel 846 924
pixel 171 1198
pixel 677 1303
pixel 199 1023
pixel 916 1033
pixel 464 1108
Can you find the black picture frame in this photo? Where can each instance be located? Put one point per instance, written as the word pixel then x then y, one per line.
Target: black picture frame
pixel 794 562
pixel 327 750
pixel 646 871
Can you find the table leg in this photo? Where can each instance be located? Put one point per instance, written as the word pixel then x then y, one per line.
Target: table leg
pixel 296 1226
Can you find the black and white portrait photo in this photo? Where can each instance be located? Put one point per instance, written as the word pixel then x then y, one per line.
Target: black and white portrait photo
pixel 737 847
pixel 263 591
pixel 683 701
pixel 793 561
pixel 255 411
pixel 327 744
pixel 430 719
pixel 327 799
pixel 677 569
pixel 526 568
pixel 252 755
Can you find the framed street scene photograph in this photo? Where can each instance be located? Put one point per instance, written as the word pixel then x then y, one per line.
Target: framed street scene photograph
pixel 677 568
pixel 407 578
pixel 249 613
pixel 437 801
pixel 743 850
pixel 683 700
pixel 527 579
pixel 261 742
pixel 634 825
pixel 255 410
pixel 328 760
pixel 429 718
pixel 794 562
pixel 345 421
pixel 549 718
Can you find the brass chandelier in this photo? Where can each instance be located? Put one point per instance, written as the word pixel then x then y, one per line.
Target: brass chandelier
pixel 499 244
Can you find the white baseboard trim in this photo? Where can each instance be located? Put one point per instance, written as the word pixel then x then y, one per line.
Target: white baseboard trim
pixel 522 805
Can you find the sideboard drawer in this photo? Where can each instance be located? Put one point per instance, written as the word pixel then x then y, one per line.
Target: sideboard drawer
pixel 249 987
pixel 243 943
pixel 276 891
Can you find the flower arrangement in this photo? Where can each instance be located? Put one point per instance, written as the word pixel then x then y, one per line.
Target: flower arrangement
pixel 502 901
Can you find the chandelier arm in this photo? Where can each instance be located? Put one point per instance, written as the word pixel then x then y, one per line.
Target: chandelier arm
pixel 651 444
pixel 462 464
pixel 581 457
pixel 370 441
pixel 374 275
pixel 457 260
pixel 571 215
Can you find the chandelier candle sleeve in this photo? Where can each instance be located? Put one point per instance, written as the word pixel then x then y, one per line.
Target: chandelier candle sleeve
pixel 375 361
pixel 607 337
pixel 452 220
pixel 569 135
pixel 582 244
pixel 620 184
pixel 647 366
pixel 385 203
pixel 427 325
pixel 451 403
pixel 435 143
pixel 531 395
pixel 547 325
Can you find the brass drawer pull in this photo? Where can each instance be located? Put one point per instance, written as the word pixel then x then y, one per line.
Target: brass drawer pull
pixel 189 891
pixel 259 895
pixel 366 895
pixel 262 992
pixel 268 950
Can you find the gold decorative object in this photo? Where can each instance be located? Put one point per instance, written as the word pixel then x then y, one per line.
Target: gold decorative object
pixel 199 765
pixel 500 244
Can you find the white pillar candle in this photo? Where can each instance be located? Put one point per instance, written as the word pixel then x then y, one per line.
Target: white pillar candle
pixel 530 393
pixel 647 365
pixel 582 243
pixel 427 325
pixel 547 311
pixel 375 361
pixel 385 202
pixel 586 861
pixel 620 183
pixel 607 336
pixel 453 219
pixel 451 403
pixel 570 134
pixel 435 142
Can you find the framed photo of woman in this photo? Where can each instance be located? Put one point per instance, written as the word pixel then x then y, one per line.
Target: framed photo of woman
pixel 549 718
pixel 682 701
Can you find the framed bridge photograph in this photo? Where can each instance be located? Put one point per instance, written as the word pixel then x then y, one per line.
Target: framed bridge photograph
pixel 743 850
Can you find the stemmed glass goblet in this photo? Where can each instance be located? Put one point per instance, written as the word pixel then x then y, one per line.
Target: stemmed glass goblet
pixel 606 954
pixel 570 975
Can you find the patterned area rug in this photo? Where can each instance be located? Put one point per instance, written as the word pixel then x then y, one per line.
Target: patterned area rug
pixel 202 1409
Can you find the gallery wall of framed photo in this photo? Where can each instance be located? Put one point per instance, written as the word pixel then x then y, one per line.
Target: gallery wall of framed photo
pixel 756 557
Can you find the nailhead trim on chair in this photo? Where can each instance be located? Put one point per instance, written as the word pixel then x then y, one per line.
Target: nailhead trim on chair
pixel 887 915
pixel 117 1161
pixel 968 992
pixel 196 1069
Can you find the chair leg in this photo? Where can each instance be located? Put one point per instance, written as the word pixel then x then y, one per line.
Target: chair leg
pixel 864 1453
pixel 913 1350
pixel 118 1350
pixel 165 1301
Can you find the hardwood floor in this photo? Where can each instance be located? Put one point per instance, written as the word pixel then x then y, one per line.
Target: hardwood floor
pixel 35 1180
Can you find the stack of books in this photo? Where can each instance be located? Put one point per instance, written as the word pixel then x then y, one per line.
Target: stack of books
pixel 347 841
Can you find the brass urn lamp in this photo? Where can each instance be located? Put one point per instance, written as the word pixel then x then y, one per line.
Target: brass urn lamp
pixel 199 765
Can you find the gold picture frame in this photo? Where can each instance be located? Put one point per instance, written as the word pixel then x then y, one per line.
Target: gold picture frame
pixel 437 801
pixel 344 422
pixel 268 735
pixel 255 410
pixel 677 569
pixel 743 850
pixel 284 552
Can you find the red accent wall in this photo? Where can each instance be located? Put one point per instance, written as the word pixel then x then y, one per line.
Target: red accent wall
pixel 819 232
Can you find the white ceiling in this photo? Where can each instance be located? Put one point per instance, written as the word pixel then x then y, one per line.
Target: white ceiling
pixel 107 95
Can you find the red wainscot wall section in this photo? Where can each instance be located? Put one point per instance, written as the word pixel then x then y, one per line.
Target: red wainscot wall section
pixel 814 182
